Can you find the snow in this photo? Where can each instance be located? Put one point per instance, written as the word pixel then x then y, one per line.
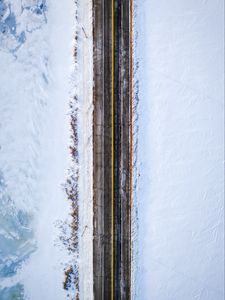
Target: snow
pixel 49 260
pixel 37 67
pixel 180 188
pixel 85 127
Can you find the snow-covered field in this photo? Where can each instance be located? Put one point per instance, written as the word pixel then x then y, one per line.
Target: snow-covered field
pixel 37 78
pixel 180 188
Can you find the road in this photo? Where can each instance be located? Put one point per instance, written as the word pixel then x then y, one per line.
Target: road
pixel 112 129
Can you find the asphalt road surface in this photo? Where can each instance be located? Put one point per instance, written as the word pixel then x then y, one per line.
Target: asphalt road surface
pixel 112 23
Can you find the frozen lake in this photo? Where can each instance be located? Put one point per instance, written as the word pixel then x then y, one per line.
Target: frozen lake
pixel 180 160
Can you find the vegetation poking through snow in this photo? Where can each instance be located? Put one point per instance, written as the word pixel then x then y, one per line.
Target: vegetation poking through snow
pixel 71 282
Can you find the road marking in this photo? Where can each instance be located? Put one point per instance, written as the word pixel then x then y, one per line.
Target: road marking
pixel 112 154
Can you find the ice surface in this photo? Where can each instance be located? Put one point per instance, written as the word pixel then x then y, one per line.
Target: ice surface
pixel 36 62
pixel 180 190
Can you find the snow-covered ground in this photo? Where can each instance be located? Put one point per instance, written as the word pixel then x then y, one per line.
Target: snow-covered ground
pixel 84 90
pixel 37 78
pixel 180 189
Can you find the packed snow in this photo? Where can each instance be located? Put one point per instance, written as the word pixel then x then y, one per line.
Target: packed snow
pixel 180 160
